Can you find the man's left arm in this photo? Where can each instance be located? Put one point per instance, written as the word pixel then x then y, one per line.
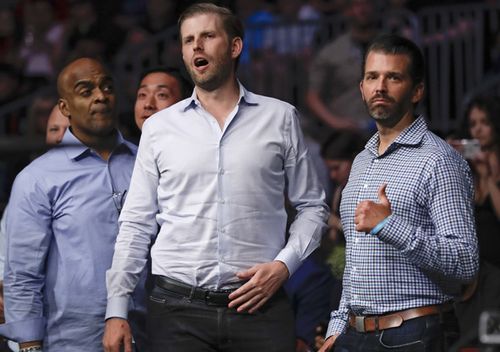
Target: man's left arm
pixel 307 196
pixel 450 247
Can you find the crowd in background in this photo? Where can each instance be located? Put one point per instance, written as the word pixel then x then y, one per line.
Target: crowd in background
pixel 38 37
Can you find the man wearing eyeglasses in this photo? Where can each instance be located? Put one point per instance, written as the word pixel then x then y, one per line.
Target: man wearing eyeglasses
pixel 62 222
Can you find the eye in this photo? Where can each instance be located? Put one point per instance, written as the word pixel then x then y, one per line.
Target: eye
pixel 108 88
pixel 141 95
pixel 85 92
pixel 163 95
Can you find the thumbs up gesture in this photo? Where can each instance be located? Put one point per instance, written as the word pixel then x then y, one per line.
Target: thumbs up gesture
pixel 368 214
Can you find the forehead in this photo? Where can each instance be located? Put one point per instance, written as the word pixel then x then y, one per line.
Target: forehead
pixel 200 23
pixel 159 79
pixel 378 61
pixel 85 70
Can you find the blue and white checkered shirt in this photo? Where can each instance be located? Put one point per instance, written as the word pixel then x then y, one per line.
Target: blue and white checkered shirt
pixel 428 247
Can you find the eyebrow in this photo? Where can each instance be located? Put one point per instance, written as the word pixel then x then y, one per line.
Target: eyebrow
pixel 155 85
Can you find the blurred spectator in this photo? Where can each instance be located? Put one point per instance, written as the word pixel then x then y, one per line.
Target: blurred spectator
pixel 10 36
pixel 91 34
pixel 289 35
pixel 334 76
pixel 309 290
pixel 11 87
pixel 399 19
pixel 256 16
pixel 42 41
pixel 338 152
pixel 38 115
pixel 158 89
pixel 328 7
pixel 482 123
pixel 57 124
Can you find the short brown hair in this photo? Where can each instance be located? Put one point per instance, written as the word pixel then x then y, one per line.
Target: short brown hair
pixel 232 24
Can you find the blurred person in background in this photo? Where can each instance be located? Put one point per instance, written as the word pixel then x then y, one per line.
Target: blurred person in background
pixel 482 123
pixel 333 93
pixel 158 89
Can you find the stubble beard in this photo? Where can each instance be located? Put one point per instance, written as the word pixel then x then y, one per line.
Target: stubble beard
pixel 214 77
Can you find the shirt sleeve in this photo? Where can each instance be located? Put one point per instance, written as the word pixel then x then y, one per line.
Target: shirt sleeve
pixel 306 195
pixel 29 235
pixel 449 246
pixel 137 227
pixel 339 317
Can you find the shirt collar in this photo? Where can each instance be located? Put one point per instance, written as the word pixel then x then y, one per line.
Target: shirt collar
pixel 411 135
pixel 76 149
pixel 244 97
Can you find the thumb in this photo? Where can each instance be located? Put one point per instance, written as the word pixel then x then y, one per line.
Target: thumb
pixel 382 197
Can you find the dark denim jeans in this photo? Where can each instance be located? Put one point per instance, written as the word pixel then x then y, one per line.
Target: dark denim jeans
pixel 178 324
pixel 431 333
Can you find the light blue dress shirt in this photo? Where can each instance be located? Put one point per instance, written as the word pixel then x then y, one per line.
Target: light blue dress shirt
pixel 428 247
pixel 62 223
pixel 218 196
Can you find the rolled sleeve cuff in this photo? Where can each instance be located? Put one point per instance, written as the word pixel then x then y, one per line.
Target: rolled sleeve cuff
pixel 117 307
pixel 24 330
pixel 395 232
pixel 290 258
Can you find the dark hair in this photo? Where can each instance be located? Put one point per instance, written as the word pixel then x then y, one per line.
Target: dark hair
pixel 491 106
pixel 397 45
pixel 231 23
pixel 342 145
pixel 185 85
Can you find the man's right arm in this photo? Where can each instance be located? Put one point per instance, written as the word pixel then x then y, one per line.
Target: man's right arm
pixel 29 234
pixel 137 227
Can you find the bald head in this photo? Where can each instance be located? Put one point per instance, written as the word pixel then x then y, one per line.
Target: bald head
pixel 71 72
pixel 87 98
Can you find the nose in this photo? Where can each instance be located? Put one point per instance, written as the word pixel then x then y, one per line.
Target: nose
pixel 381 85
pixel 198 44
pixel 99 94
pixel 150 103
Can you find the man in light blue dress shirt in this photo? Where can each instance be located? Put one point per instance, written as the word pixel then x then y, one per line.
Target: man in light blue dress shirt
pixel 62 222
pixel 213 172
pixel 407 215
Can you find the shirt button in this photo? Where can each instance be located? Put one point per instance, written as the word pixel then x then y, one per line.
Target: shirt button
pixel 222 201
pixel 222 171
pixel 356 240
pixel 365 185
pixel 375 160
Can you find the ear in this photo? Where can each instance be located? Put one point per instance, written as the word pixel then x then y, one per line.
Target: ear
pixel 361 89
pixel 418 93
pixel 63 106
pixel 236 47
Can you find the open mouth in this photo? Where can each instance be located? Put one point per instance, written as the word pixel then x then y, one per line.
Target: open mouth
pixel 200 62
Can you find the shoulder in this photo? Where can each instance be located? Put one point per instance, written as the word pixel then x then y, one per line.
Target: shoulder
pixel 269 103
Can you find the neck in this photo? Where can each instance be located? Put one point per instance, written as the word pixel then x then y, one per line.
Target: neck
pixel 388 131
pixel 221 101
pixel 102 145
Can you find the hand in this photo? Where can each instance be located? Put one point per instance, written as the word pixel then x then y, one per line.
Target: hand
pixel 116 334
pixel 368 214
pixel 263 281
pixel 319 338
pixel 329 342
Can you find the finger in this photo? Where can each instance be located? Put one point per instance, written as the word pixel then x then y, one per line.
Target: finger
pixel 382 196
pixel 128 344
pixel 251 304
pixel 243 289
pixel 259 304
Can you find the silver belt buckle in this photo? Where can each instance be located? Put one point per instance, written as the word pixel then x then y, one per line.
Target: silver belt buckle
pixel 360 323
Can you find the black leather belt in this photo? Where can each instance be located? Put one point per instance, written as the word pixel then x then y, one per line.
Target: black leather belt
pixel 211 298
